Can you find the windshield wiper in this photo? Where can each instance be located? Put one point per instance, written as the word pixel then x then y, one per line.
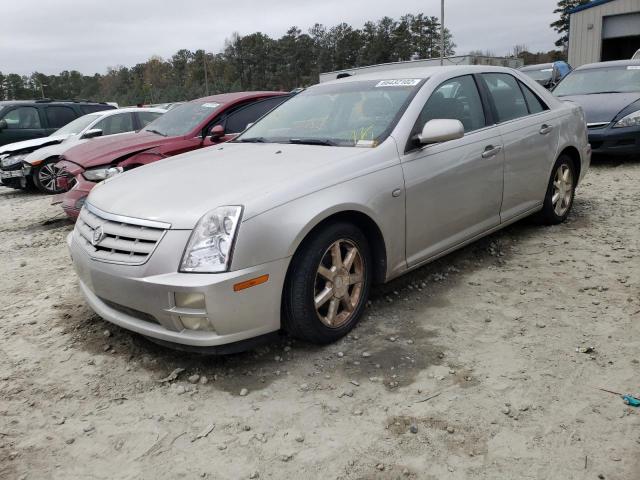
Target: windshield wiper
pixel 312 141
pixel 156 132
pixel 253 140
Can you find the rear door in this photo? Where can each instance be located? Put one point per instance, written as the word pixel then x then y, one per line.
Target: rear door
pixel 58 116
pixel 453 189
pixel 530 141
pixel 24 122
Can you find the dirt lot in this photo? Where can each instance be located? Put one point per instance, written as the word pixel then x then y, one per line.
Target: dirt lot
pixel 466 368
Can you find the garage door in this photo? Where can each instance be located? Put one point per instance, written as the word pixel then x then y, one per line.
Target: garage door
pixel 621 26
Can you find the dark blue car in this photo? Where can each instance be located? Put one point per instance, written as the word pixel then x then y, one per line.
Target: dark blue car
pixel 609 94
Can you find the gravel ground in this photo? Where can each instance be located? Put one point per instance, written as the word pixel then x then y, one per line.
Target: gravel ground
pixel 466 368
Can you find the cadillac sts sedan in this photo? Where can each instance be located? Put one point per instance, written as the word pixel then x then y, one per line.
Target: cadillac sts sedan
pixel 349 183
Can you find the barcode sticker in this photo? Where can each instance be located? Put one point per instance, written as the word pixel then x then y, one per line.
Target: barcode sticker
pixel 405 82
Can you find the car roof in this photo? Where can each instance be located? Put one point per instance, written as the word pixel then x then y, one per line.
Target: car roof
pixel 615 63
pixel 420 72
pixel 115 111
pixel 539 66
pixel 50 102
pixel 223 98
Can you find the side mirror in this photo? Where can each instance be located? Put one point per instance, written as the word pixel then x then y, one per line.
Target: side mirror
pixel 440 130
pixel 93 133
pixel 217 133
pixel 3 124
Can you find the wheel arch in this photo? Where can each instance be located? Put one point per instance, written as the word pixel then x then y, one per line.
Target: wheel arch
pixel 364 222
pixel 573 153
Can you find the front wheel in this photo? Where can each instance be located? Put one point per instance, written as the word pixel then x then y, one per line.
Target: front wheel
pixel 560 192
pixel 45 177
pixel 328 284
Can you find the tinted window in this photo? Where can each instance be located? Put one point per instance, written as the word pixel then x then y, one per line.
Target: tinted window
pixel 113 124
pixel 507 96
pixel 94 108
pixel 147 117
pixel 534 103
pixel 59 116
pixel 238 120
pixel 456 99
pixel 23 118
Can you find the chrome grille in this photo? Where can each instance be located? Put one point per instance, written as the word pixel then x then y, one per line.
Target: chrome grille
pixel 115 239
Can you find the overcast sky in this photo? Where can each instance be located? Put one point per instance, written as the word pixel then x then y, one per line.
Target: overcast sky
pixel 54 35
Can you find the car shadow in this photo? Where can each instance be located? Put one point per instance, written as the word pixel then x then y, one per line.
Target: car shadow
pixel 389 345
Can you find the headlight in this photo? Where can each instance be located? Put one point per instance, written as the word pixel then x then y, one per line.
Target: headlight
pixel 102 173
pixel 210 244
pixel 12 160
pixel 631 120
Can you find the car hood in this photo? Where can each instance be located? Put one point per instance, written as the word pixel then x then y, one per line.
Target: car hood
pixel 102 151
pixel 602 107
pixel 32 144
pixel 55 150
pixel 181 189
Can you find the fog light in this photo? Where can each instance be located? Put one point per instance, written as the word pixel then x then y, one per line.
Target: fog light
pixel 190 300
pixel 196 323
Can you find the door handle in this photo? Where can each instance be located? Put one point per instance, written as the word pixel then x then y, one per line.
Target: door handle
pixel 491 151
pixel 545 129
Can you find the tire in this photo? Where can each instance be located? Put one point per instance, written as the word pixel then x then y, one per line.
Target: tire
pixel 563 183
pixel 44 177
pixel 342 290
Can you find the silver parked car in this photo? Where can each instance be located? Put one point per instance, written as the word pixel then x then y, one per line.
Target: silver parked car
pixel 349 183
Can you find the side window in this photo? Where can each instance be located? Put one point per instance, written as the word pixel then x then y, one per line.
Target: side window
pixel 456 99
pixel 120 123
pixel 507 96
pixel 237 121
pixel 534 103
pixel 59 116
pixel 23 118
pixel 147 117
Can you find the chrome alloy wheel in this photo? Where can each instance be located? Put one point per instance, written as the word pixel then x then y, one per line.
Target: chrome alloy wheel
pixel 48 176
pixel 562 190
pixel 339 283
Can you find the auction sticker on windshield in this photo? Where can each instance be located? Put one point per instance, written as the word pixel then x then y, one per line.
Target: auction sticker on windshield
pixel 210 105
pixel 406 82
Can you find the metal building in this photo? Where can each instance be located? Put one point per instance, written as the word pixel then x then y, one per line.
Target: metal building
pixel 431 62
pixel 604 30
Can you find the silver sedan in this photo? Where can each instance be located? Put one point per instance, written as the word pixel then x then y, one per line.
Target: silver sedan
pixel 349 183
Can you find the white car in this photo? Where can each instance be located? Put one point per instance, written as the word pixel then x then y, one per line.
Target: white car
pixel 32 162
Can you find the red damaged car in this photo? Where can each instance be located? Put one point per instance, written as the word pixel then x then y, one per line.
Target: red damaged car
pixel 192 125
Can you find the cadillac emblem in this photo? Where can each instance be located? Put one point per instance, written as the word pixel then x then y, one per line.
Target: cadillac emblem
pixel 98 236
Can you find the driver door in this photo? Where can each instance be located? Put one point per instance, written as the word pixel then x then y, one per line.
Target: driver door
pixel 454 188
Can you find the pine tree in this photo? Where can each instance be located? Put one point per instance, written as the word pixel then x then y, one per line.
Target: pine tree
pixel 562 24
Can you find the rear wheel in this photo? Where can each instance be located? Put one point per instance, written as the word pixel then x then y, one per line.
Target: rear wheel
pixel 328 284
pixel 45 177
pixel 560 192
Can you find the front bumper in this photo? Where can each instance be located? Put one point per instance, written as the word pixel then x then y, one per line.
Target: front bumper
pixel 73 200
pixel 615 141
pixel 142 298
pixel 14 176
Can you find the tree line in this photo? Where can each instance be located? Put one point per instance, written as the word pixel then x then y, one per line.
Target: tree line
pixel 250 62
pixel 259 62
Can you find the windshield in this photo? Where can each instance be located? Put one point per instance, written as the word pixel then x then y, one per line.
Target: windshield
pixel 77 126
pixel 543 75
pixel 182 119
pixel 600 80
pixel 343 114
